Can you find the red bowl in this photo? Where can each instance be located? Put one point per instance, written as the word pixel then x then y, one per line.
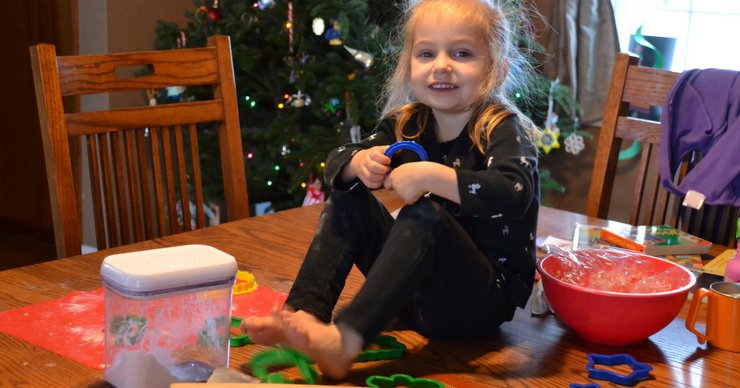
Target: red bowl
pixel 609 317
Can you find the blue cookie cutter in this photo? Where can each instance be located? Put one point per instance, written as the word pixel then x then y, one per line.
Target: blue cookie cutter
pixel 406 145
pixel 640 370
pixel 592 385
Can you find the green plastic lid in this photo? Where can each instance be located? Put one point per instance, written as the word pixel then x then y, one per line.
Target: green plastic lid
pixel 737 231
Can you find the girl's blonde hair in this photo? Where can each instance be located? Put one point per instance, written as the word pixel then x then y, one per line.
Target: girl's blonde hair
pixel 510 71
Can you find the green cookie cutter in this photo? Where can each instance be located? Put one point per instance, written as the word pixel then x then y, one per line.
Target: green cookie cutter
pixel 401 380
pixel 262 361
pixel 238 340
pixel 390 349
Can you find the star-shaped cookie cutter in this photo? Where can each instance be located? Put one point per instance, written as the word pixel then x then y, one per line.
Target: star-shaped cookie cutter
pixel 640 370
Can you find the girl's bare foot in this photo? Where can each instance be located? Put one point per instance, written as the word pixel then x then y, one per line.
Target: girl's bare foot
pixel 332 347
pixel 265 330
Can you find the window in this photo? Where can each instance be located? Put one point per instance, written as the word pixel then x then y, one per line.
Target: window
pixel 704 33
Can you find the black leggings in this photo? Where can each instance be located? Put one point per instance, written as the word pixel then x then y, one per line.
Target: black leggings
pixel 422 267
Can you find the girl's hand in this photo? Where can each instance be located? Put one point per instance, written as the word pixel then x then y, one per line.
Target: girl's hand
pixel 412 180
pixel 370 166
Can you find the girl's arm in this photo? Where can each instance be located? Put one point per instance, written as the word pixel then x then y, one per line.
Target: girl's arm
pixel 509 182
pixel 370 166
pixel 412 180
pixel 362 161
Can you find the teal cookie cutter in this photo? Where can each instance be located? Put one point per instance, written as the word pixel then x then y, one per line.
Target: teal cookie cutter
pixel 238 340
pixel 390 349
pixel 401 380
pixel 275 357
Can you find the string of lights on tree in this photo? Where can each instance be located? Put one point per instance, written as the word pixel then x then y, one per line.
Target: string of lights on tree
pixel 307 81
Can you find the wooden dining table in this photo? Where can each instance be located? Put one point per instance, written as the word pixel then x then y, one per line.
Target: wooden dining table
pixel 530 351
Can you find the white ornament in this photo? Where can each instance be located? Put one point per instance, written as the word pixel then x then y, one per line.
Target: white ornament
pixel 318 26
pixel 574 144
pixel 354 134
pixel 299 100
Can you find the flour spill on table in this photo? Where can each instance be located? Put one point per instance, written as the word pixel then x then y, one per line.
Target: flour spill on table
pixel 92 334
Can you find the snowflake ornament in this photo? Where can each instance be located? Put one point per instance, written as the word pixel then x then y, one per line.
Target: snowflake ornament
pixel 574 144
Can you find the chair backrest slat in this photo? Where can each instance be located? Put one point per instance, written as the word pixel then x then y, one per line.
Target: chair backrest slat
pixel 148 201
pixel 158 116
pixel 158 183
pixel 134 185
pixel 182 173
pixel 197 180
pixel 95 184
pixel 111 221
pixel 93 74
pixel 143 180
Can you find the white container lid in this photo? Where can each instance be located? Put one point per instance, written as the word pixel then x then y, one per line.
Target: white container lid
pixel 167 268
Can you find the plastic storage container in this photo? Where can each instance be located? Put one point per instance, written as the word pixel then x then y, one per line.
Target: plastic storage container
pixel 167 315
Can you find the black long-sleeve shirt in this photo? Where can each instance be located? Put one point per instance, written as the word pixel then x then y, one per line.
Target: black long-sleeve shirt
pixel 499 191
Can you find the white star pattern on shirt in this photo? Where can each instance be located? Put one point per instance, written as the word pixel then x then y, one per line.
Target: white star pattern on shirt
pixel 444 157
pixel 490 162
pixel 456 163
pixel 502 260
pixel 497 215
pixel 373 136
pixel 341 149
pixel 518 186
pixel 505 230
pixel 518 139
pixel 531 236
pixel 523 161
pixel 474 188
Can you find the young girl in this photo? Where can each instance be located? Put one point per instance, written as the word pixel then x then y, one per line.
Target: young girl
pixel 460 256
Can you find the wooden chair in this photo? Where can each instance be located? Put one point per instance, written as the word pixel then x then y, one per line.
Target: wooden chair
pixel 143 161
pixel 636 88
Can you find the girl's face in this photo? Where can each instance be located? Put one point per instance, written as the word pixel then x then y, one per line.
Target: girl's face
pixel 449 63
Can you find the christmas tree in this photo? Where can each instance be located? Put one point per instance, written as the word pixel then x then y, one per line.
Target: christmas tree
pixel 308 76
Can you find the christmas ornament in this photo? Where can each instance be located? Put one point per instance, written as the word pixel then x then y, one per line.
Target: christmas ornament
pixel 151 95
pixel 332 108
pixel 182 40
pixel 201 12
pixel 354 134
pixel 574 144
pixel 363 57
pixel 314 194
pixel 317 26
pixel 174 93
pixel 547 140
pixel 299 100
pixel 264 4
pixel 289 25
pixel 214 13
pixel 284 150
pixel 334 34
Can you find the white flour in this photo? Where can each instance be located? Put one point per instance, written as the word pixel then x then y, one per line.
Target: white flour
pixel 138 369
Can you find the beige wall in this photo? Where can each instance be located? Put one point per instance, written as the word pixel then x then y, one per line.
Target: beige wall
pixel 125 25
